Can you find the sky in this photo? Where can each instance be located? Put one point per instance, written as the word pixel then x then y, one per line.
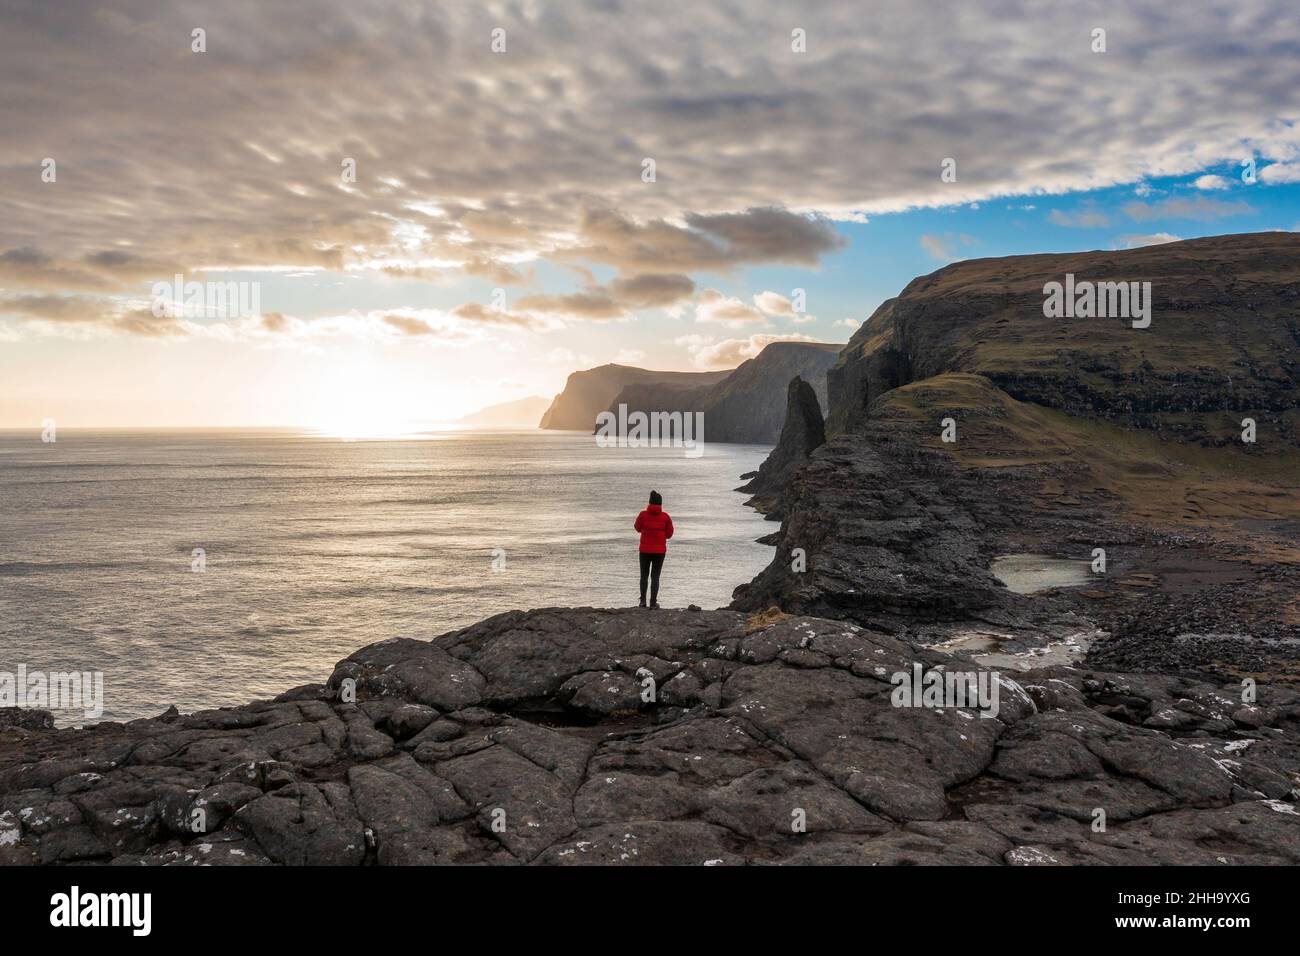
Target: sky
pixel 446 205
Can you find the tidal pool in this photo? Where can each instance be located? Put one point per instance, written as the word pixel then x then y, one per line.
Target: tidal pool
pixel 1029 573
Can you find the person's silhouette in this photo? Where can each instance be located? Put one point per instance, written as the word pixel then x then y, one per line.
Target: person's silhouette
pixel 656 528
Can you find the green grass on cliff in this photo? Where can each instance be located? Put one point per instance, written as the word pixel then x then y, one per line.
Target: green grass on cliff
pixel 1163 483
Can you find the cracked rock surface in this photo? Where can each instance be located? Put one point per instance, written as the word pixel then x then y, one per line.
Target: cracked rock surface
pixel 564 736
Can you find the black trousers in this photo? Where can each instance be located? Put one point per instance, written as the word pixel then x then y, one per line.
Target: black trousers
pixel 651 564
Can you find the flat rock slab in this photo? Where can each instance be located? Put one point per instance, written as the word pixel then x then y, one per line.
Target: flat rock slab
pixel 585 736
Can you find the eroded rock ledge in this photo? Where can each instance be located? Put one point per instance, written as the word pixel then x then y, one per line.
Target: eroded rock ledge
pixel 525 739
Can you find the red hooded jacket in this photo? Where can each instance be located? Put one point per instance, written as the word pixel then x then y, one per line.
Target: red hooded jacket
pixel 656 528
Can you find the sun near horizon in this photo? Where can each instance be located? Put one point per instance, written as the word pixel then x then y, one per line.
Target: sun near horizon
pixel 285 220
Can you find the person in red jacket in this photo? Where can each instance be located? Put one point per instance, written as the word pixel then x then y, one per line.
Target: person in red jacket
pixel 656 528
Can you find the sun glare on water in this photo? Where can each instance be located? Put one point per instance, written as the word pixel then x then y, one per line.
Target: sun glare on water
pixel 360 428
pixel 374 422
pixel 361 431
pixel 365 401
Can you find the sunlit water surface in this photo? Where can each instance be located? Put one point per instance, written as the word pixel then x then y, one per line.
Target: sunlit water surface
pixel 315 547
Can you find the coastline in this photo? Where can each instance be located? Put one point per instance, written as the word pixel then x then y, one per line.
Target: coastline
pixel 825 716
pixel 624 736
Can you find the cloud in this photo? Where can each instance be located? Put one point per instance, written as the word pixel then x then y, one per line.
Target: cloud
pixel 463 325
pixel 476 313
pixel 581 305
pixel 1201 209
pixel 478 162
pixel 650 291
pixel 729 353
pixel 1087 217
pixel 714 306
pixel 769 235
pixel 408 325
pixel 498 273
pixel 87 316
pixel 481 165
pixel 55 308
pixel 29 268
pixel 143 323
pixel 1279 173
pixel 90 315
pixel 1211 182
pixel 275 322
pixel 936 246
pixel 713 243
pixel 614 301
pixel 944 248
pixel 773 303
pixel 1148 239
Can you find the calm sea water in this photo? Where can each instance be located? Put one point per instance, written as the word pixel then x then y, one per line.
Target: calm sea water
pixel 315 547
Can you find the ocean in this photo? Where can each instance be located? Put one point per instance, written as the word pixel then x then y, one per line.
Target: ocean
pixel 209 568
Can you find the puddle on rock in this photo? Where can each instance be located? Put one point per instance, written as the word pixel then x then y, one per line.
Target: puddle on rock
pixel 1030 573
pixel 1005 652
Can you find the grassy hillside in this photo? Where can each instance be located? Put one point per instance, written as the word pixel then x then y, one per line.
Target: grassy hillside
pixel 1221 490
pixel 1223 343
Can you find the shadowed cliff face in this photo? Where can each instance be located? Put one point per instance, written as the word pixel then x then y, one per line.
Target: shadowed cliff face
pixel 588 393
pixel 1068 435
pixel 804 431
pixel 886 529
pixel 1223 341
pixel 749 405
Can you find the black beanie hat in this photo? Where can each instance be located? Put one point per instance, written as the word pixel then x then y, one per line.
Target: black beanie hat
pixel 655 498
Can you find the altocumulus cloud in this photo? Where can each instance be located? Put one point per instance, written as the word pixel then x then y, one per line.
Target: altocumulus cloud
pixel 1200 208
pixel 482 164
pixel 715 306
pixel 82 316
pixel 774 303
